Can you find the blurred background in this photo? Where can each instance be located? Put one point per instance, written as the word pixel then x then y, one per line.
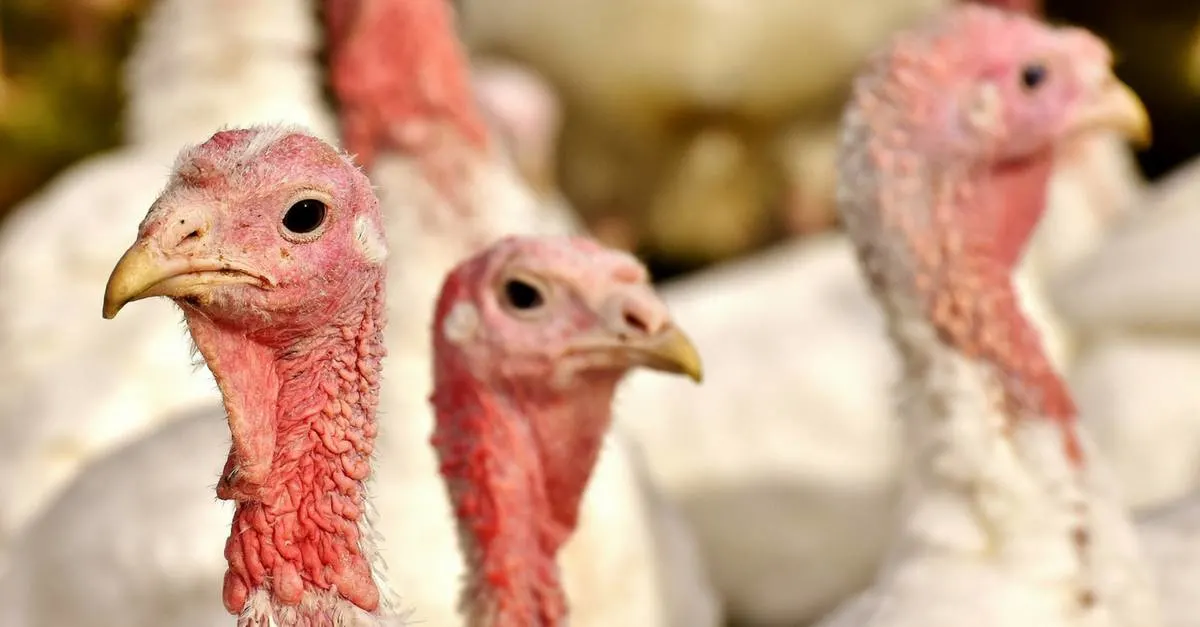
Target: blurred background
pixel 685 182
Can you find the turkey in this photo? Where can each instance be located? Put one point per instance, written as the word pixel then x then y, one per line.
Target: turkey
pixel 785 461
pixel 71 386
pixel 811 483
pixel 1008 513
pixel 531 338
pixel 445 196
pixel 445 193
pixel 189 74
pixel 271 242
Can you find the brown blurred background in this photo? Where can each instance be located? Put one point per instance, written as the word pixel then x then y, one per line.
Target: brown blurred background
pixel 60 99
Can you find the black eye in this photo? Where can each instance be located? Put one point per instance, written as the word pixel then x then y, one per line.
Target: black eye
pixel 1033 75
pixel 522 295
pixel 305 216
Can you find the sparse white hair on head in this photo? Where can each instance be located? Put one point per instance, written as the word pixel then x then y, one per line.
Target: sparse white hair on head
pixel 266 135
pixel 370 240
pixel 263 137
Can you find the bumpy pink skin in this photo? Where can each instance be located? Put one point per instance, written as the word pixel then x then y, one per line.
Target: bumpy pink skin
pixel 944 182
pixel 296 357
pixel 519 422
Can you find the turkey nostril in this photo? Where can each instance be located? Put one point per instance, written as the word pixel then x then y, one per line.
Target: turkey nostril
pixel 192 237
pixel 636 323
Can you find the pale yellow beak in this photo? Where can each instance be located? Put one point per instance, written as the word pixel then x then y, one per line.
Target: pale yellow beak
pixel 143 272
pixel 1116 108
pixel 668 350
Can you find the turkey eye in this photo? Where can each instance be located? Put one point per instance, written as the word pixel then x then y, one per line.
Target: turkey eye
pixel 1033 75
pixel 521 295
pixel 304 216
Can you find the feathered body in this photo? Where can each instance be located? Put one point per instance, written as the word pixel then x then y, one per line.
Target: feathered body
pixel 73 386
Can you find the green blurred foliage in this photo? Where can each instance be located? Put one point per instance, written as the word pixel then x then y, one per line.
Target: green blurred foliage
pixel 60 85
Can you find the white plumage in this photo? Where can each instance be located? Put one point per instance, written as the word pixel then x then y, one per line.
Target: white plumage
pixel 1136 304
pixel 73 385
pixel 136 539
pixel 988 510
pixel 784 460
pixel 1170 537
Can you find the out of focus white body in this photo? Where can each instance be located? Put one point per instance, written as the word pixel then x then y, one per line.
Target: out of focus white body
pixel 988 513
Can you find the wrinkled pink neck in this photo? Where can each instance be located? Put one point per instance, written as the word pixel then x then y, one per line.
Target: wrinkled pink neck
pixel 516 463
pixel 976 308
pixel 942 243
pixel 302 420
pixel 1021 188
pixel 400 77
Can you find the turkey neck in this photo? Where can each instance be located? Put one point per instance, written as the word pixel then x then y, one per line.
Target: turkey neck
pixel 969 298
pixel 399 72
pixel 940 250
pixel 516 462
pixel 995 462
pixel 301 409
pixel 408 113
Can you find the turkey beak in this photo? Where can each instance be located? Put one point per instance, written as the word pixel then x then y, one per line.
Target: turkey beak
pixel 638 331
pixel 145 271
pixel 1117 107
pixel 137 271
pixel 669 350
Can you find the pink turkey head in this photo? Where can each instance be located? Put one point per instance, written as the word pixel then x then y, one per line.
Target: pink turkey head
pixel 947 150
pixel 985 98
pixel 989 87
pixel 531 338
pixel 257 228
pixel 557 310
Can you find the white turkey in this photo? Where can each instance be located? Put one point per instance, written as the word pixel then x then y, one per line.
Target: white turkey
pixel 1009 515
